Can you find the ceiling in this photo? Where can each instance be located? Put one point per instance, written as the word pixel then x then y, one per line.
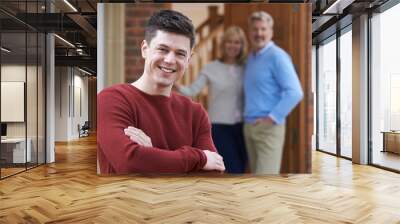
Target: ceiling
pixel 328 15
pixel 76 22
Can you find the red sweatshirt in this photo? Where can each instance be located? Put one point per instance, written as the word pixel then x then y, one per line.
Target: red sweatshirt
pixel 179 130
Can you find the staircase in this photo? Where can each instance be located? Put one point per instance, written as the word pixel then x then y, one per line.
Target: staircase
pixel 208 36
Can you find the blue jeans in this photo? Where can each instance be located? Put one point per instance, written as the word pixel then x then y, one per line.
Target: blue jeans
pixel 229 141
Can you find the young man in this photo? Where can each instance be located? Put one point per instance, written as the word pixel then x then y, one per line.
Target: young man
pixel 272 89
pixel 143 127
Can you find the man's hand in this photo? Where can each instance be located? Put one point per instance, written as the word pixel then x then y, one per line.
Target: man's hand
pixel 214 161
pixel 265 120
pixel 138 136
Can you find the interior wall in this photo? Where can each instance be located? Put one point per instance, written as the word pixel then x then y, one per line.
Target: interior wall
pixel 71 102
pixel 17 73
pixel 80 104
pixel 61 103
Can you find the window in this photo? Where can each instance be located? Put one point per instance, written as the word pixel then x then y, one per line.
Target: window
pixel 327 97
pixel 346 94
pixel 385 87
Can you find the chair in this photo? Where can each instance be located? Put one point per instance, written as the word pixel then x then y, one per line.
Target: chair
pixel 84 130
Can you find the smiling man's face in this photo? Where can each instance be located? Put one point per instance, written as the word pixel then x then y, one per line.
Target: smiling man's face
pixel 166 58
pixel 261 33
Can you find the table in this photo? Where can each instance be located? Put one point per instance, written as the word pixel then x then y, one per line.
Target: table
pixel 13 150
pixel 391 141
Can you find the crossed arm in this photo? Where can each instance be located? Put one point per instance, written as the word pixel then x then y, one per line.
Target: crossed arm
pixel 214 160
pixel 136 153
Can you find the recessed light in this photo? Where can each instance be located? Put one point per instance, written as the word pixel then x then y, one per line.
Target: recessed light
pixel 84 71
pixel 71 6
pixel 5 50
pixel 337 7
pixel 64 40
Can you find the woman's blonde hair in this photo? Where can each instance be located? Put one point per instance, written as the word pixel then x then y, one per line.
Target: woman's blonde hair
pixel 231 31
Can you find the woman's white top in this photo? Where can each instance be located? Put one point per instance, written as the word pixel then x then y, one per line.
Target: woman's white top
pixel 225 87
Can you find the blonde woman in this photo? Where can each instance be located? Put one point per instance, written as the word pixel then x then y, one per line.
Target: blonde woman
pixel 224 78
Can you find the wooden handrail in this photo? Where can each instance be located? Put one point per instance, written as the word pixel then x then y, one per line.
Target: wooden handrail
pixel 203 53
pixel 213 34
pixel 207 22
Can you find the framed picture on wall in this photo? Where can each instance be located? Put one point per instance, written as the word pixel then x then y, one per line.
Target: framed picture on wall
pixel 12 101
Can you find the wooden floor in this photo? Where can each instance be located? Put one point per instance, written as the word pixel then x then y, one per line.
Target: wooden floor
pixel 69 191
pixel 10 171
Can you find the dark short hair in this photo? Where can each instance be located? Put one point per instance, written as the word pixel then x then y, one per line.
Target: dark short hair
pixel 169 21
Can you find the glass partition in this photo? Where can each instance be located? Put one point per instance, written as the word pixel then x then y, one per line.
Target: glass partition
pixel 13 103
pixel 22 89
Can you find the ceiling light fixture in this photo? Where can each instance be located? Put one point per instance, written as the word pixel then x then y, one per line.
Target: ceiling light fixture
pixel 70 5
pixel 5 49
pixel 84 71
pixel 65 41
pixel 337 7
pixel 79 51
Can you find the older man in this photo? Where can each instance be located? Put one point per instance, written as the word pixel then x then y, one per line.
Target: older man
pixel 272 90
